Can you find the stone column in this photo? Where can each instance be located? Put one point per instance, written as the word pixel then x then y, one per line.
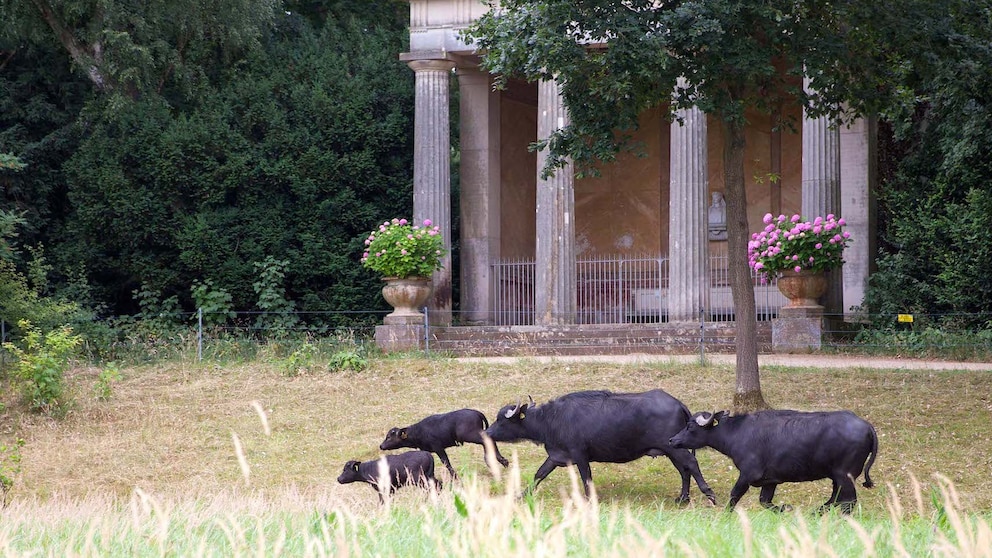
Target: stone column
pixel 858 176
pixel 432 170
pixel 688 247
pixel 821 186
pixel 554 274
pixel 479 116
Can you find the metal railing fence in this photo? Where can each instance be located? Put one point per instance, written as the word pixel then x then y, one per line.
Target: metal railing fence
pixel 617 289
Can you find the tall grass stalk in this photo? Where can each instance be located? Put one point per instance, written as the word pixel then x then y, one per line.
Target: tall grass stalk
pixel 477 518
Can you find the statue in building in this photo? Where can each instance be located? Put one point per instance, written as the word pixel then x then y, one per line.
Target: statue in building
pixel 718 217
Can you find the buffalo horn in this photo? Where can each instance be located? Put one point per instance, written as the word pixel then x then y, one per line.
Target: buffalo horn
pixel 513 411
pixel 532 404
pixel 704 419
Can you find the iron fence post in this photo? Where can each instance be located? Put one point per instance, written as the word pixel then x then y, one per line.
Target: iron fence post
pixel 427 332
pixel 702 337
pixel 199 335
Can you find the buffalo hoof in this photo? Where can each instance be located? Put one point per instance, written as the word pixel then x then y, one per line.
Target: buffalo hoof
pixel 845 507
pixel 711 498
pixel 784 508
pixel 682 500
pixel 503 461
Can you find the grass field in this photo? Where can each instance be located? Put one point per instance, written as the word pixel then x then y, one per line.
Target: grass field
pixel 208 459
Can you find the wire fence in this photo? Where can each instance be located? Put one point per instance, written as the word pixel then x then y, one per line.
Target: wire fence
pixel 242 336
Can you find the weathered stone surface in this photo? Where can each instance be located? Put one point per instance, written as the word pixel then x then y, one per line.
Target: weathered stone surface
pixel 798 333
pixel 599 339
pixel 399 338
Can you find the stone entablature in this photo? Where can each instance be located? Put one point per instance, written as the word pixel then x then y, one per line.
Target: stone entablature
pixel 435 24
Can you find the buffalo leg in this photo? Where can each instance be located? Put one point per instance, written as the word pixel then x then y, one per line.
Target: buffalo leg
pixel 834 493
pixel 477 438
pixel 585 473
pixel 766 496
pixel 499 457
pixel 687 466
pixel 543 471
pixel 447 462
pixel 845 495
pixel 737 492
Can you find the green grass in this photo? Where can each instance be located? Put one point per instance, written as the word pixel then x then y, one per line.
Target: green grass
pixel 470 521
pixel 154 469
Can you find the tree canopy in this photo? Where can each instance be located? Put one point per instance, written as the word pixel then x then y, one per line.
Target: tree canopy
pixel 131 47
pixel 291 138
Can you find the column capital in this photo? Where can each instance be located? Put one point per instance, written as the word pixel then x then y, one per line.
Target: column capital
pixel 432 64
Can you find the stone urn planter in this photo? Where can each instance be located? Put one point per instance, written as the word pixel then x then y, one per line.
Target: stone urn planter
pixel 803 288
pixel 407 296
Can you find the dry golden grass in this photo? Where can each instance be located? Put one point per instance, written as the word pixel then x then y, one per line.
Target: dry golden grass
pixel 174 430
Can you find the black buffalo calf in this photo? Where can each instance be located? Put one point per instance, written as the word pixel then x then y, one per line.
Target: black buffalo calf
pixel 772 447
pixel 437 432
pixel 411 468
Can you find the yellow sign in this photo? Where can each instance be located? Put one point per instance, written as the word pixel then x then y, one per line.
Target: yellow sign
pixel 906 318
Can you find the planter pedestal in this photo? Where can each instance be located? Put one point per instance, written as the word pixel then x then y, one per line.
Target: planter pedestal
pixel 403 328
pixel 799 325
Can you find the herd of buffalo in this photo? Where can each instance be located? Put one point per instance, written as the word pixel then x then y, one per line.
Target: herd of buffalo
pixel 767 447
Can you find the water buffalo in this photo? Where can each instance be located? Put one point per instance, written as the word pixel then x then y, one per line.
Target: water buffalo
pixel 772 447
pixel 437 432
pixel 604 427
pixel 410 468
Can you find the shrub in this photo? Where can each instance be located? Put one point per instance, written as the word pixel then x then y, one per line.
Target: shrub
pixel 347 360
pixel 41 365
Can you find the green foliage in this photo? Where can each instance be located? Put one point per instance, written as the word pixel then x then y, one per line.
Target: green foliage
pixel 293 152
pixel 301 361
pixel 19 302
pixel 401 249
pixel 214 302
pixel 11 163
pixel 158 313
pixel 10 467
pixel 109 374
pixel 925 340
pixel 733 56
pixel 348 359
pixel 145 46
pixel 8 230
pixel 41 364
pixel 276 310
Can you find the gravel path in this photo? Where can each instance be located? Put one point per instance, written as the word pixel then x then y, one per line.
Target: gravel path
pixel 795 360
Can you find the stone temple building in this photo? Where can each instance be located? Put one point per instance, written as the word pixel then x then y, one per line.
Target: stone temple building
pixel 641 242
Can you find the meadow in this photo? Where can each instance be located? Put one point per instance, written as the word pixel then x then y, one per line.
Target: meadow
pixel 240 459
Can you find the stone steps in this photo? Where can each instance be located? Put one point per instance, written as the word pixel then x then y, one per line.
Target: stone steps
pixel 663 338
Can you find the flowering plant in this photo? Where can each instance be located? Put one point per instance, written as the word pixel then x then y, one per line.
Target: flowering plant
pixel 399 249
pixel 794 244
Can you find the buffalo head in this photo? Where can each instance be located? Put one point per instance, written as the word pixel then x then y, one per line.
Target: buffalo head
pixel 697 431
pixel 509 425
pixel 350 473
pixel 396 438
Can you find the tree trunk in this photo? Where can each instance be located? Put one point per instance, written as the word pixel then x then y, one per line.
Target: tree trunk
pixel 87 57
pixel 747 396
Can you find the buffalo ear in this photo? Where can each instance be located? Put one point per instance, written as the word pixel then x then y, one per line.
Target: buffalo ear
pixel 403 434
